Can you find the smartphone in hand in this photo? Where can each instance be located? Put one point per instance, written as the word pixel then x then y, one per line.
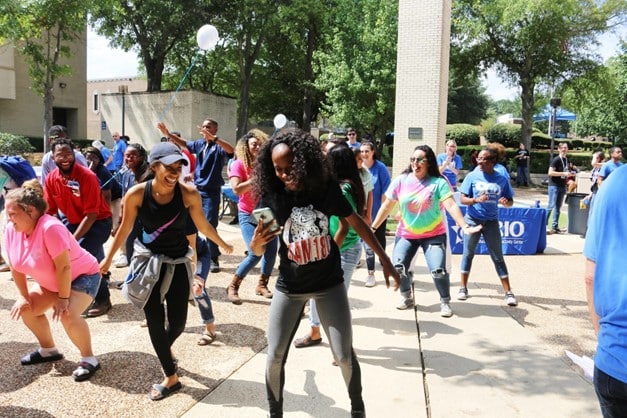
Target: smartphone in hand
pixel 266 216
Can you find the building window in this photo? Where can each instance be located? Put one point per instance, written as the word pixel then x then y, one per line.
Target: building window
pixel 96 102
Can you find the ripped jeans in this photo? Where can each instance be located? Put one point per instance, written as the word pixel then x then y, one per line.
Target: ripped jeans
pixel 435 255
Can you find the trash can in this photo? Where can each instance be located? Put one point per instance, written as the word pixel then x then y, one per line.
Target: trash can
pixel 577 213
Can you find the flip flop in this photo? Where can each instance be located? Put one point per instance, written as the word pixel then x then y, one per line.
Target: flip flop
pixel 207 338
pixel 306 341
pixel 164 392
pixel 35 358
pixel 84 371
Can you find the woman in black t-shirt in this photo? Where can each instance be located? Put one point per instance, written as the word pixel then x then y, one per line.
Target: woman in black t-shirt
pixel 295 183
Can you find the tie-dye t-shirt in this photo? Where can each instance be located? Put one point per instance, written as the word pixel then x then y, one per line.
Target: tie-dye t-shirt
pixel 419 205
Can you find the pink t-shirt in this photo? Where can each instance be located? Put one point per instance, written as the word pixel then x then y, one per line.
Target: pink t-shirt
pixel 247 203
pixel 34 255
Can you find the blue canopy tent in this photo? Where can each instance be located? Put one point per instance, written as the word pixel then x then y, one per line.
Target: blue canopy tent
pixel 561 114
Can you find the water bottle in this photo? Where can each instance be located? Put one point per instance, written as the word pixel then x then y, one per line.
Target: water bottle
pixel 537 204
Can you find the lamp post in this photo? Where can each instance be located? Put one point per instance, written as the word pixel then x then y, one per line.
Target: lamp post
pixel 123 89
pixel 555 103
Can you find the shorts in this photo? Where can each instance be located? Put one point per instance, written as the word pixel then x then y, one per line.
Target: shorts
pixel 87 283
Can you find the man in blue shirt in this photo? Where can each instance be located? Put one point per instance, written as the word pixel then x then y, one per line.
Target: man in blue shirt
pixel 606 291
pixel 616 155
pixel 449 163
pixel 118 152
pixel 212 154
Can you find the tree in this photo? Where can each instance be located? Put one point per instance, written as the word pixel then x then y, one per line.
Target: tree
pixel 357 66
pixel 532 43
pixel 150 27
pixel 467 101
pixel 42 32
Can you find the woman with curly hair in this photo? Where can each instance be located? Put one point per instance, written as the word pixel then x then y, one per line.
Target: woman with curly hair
pixel 242 181
pixel 297 185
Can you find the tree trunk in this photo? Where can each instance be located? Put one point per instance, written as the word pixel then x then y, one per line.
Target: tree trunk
pixel 242 110
pixel 154 73
pixel 527 97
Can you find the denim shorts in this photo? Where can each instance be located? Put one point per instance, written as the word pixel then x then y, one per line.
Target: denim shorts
pixel 87 283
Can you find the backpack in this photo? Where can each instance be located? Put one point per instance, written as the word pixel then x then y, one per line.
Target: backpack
pixel 18 168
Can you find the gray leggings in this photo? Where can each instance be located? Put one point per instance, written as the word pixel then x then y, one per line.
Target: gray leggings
pixel 335 317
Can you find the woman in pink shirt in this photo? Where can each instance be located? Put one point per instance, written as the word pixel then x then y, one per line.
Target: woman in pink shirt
pixel 66 277
pixel 241 180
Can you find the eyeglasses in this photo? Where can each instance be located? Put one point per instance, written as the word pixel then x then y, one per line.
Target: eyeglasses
pixel 417 160
pixel 351 134
pixel 485 159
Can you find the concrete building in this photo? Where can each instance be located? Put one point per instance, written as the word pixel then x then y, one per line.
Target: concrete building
pixel 22 110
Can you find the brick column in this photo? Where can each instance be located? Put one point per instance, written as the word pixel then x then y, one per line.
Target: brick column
pixel 424 29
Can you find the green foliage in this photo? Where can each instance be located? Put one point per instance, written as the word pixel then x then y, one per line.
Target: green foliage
pixel 357 67
pixel 467 101
pixel 531 43
pixel 463 134
pixel 14 144
pixel 508 134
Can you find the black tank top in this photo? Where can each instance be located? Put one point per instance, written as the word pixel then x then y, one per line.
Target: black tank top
pixel 163 226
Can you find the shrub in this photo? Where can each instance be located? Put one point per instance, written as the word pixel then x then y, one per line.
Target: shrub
pixel 14 144
pixel 463 134
pixel 508 134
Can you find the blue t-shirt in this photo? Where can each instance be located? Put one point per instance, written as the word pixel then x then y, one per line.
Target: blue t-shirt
pixel 118 154
pixel 495 185
pixel 210 160
pixel 605 243
pixel 106 153
pixel 380 181
pixel 608 168
pixel 456 163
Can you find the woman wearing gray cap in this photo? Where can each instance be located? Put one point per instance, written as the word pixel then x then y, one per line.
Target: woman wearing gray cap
pixel 163 205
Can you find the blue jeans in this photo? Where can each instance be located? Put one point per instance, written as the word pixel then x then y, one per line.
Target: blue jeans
pixel 349 258
pixel 283 321
pixel 435 255
pixel 210 206
pixel 556 198
pixel 93 242
pixel 87 283
pixel 492 236
pixel 380 235
pixel 612 394
pixel 247 224
pixel 522 175
pixel 202 270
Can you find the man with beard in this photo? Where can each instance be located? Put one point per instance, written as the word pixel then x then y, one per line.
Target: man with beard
pixel 74 191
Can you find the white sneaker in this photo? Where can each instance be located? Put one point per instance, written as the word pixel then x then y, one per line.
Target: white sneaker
pixel 121 261
pixel 462 294
pixel 510 299
pixel 445 310
pixel 370 281
pixel 406 303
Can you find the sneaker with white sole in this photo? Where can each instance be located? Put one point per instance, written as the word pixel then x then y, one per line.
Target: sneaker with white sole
pixel 462 294
pixel 510 299
pixel 371 281
pixel 445 310
pixel 121 261
pixel 406 303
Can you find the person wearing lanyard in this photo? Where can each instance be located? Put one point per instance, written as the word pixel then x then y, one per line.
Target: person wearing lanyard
pixel 558 173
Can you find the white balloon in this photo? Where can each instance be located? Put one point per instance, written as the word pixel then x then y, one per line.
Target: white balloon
pixel 207 37
pixel 280 121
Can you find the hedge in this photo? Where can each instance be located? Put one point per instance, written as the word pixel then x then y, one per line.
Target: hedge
pixel 463 134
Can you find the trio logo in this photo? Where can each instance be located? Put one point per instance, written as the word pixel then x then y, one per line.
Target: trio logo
pixel 509 229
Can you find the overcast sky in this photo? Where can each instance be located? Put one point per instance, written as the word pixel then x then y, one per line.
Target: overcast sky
pixel 104 62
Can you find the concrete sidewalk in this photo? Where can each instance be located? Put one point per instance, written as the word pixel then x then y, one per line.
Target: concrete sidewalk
pixel 481 362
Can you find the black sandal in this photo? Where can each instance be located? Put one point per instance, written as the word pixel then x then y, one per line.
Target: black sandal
pixel 84 371
pixel 35 358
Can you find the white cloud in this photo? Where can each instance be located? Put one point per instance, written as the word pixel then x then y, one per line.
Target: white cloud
pixel 104 62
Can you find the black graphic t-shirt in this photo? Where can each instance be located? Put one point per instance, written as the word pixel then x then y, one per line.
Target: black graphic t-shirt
pixel 309 258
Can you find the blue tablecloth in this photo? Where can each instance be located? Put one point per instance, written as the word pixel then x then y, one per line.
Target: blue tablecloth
pixel 523 231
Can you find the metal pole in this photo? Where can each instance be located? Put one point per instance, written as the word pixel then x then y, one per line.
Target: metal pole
pixel 123 110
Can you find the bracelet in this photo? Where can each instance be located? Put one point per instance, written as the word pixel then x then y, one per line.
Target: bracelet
pixel 64 298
